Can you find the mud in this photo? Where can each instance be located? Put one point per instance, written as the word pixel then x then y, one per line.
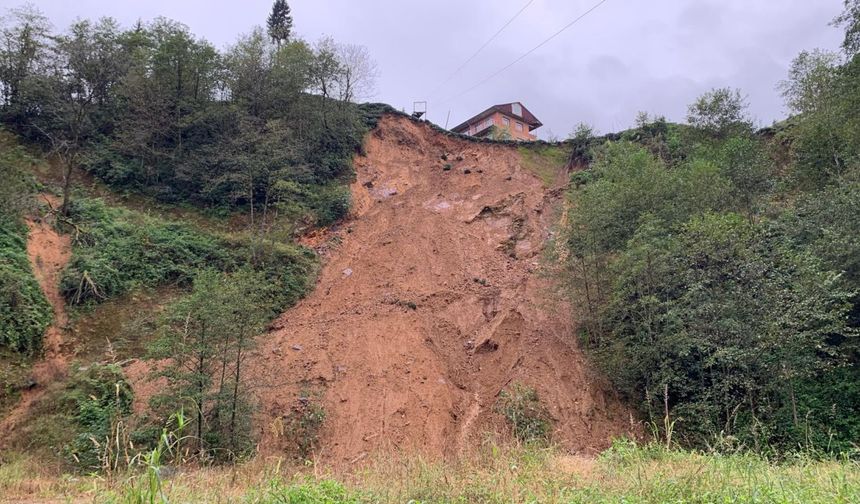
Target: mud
pixel 431 301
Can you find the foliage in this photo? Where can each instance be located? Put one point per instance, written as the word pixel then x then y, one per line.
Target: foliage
pixel 850 19
pixel 155 109
pixel 97 398
pixel 206 337
pixel 720 113
pixel 680 255
pixel 24 311
pixel 825 136
pixel 117 250
pixel 280 23
pixel 529 419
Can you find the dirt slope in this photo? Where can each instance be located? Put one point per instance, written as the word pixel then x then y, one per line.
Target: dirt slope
pixel 49 252
pixel 462 247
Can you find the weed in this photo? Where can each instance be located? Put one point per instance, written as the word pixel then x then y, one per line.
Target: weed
pixel 304 422
pixel 529 419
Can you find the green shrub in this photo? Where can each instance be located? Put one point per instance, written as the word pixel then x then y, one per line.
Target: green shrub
pixel 24 311
pixel 309 492
pixel 119 250
pixel 331 203
pixel 96 398
pixel 529 419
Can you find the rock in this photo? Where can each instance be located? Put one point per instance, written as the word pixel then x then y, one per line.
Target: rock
pixel 297 348
pixel 347 272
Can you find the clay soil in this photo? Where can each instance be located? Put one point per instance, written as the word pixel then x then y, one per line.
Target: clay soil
pixel 433 299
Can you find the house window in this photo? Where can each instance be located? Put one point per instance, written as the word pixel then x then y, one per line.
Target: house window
pixel 517 109
pixel 506 122
pixel 519 126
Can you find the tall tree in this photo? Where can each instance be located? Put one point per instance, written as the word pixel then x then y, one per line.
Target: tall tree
pixel 358 72
pixel 850 19
pixel 280 22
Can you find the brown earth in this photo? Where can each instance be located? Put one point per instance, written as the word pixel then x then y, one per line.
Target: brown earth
pixel 432 301
pixel 49 252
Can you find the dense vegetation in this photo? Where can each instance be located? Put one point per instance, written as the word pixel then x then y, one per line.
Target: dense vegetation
pixel 718 267
pixel 262 133
pixel 116 250
pixel 24 311
pixel 267 125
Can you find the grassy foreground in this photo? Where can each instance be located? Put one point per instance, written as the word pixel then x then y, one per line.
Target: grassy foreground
pixel 625 473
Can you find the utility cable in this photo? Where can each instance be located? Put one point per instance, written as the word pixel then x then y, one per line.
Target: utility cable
pixel 476 53
pixel 535 48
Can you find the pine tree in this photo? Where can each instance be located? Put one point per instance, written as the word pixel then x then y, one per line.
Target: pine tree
pixel 280 22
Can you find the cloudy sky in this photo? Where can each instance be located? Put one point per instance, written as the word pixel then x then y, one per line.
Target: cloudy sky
pixel 626 56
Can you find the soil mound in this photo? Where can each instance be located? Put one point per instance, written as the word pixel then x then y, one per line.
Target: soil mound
pixel 431 302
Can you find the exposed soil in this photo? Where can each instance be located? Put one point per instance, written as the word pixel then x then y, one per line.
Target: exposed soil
pixel 49 252
pixel 430 303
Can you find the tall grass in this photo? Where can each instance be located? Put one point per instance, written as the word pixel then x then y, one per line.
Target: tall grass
pixel 625 473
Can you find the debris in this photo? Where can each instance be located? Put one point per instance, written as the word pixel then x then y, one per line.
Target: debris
pixel 347 272
pixel 297 348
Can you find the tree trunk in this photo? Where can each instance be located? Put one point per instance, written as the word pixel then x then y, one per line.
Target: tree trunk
pixel 235 398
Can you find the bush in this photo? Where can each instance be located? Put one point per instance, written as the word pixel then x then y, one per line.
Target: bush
pixel 24 311
pixel 529 419
pixel 96 398
pixel 119 250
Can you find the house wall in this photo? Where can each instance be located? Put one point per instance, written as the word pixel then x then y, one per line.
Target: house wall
pixel 498 120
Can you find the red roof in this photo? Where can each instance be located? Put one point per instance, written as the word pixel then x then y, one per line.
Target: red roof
pixel 506 109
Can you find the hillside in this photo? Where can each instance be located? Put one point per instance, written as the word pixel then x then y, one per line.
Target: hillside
pixel 431 302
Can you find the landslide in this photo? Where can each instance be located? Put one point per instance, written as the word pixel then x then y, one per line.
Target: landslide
pixel 431 302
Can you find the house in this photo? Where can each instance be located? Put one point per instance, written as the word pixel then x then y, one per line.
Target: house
pixel 512 118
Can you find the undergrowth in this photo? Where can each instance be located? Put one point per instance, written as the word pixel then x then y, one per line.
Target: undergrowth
pixel 116 250
pixel 627 472
pixel 528 418
pixel 24 311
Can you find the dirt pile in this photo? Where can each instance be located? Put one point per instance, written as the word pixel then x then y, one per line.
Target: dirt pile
pixel 430 303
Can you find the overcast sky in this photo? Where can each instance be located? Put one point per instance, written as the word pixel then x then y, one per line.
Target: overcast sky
pixel 626 56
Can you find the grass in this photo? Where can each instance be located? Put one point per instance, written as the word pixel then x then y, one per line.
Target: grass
pixel 545 161
pixel 625 473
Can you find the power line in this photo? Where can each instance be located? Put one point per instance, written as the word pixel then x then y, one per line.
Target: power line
pixel 533 49
pixel 476 53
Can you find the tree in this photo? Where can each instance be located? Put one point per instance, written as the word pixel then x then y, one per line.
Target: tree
pixel 24 38
pixel 280 23
pixel 720 113
pixel 88 65
pixel 826 131
pixel 191 334
pixel 206 337
pixel 358 72
pixel 850 19
pixel 810 79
